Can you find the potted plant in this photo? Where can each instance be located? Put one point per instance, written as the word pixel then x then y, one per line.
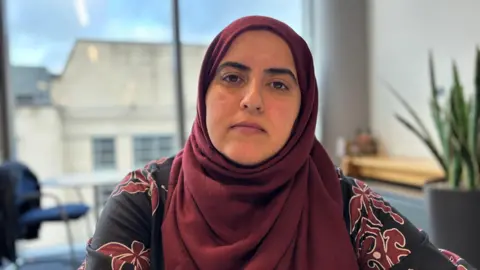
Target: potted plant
pixel 453 205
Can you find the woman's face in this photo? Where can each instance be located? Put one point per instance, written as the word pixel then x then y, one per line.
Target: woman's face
pixel 254 99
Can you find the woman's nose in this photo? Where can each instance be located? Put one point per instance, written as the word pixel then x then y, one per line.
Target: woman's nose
pixel 252 101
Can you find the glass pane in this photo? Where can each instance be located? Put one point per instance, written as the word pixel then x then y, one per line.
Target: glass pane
pixel 88 68
pixel 104 153
pixel 107 158
pixel 145 150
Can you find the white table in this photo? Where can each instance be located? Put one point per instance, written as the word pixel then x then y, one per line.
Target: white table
pixel 94 180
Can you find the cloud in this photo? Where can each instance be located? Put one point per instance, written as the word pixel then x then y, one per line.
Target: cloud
pixel 137 31
pixel 42 32
pixel 53 20
pixel 46 35
pixel 151 33
pixel 211 16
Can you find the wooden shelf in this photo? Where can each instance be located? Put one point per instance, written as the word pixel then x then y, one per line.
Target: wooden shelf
pixel 407 171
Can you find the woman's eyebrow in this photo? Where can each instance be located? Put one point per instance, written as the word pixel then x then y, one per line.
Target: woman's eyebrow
pixel 243 67
pixel 281 71
pixel 235 65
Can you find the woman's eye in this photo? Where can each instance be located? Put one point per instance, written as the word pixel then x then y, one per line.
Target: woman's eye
pixel 231 78
pixel 279 85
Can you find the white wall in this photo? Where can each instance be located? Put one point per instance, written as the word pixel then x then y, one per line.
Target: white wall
pixel 124 74
pixel 39 139
pixel 80 132
pixel 39 144
pixel 401 34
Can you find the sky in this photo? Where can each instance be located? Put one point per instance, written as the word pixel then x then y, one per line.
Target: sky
pixel 43 32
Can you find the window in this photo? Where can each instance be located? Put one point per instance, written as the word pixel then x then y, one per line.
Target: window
pixel 149 148
pixel 24 99
pixel 42 86
pixel 85 68
pixel 104 154
pixel 101 66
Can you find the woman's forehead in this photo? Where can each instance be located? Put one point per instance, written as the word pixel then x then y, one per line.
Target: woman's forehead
pixel 260 48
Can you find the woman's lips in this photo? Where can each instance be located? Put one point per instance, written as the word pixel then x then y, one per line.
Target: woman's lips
pixel 248 128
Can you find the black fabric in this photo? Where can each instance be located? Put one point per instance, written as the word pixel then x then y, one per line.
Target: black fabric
pixel 25 183
pixel 128 233
pixel 8 216
pixel 162 176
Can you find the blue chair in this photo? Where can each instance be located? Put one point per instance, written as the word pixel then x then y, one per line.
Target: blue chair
pixel 30 215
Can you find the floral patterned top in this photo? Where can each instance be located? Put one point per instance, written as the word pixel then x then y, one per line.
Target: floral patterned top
pixel 128 232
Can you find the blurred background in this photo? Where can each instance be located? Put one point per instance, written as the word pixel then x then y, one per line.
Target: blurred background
pixel 92 89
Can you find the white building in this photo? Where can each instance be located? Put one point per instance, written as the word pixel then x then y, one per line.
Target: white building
pixel 113 107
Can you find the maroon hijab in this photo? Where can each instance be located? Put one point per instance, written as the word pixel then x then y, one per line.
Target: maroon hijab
pixel 283 214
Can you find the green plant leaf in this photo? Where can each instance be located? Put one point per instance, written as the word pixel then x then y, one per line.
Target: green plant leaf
pixel 425 140
pixel 457 126
pixel 458 108
pixel 455 169
pixel 475 116
pixel 410 110
pixel 472 138
pixel 442 128
pixel 467 157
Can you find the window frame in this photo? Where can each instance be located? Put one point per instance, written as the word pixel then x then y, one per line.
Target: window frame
pixel 137 162
pixel 310 11
pixel 95 159
pixel 7 141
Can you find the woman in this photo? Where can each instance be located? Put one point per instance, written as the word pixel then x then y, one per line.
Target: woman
pixel 253 188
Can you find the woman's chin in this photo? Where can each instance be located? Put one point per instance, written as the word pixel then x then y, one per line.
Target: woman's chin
pixel 244 156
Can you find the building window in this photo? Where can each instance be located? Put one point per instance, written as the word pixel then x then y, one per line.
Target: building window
pixel 25 99
pixel 92 53
pixel 104 153
pixel 42 86
pixel 148 148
